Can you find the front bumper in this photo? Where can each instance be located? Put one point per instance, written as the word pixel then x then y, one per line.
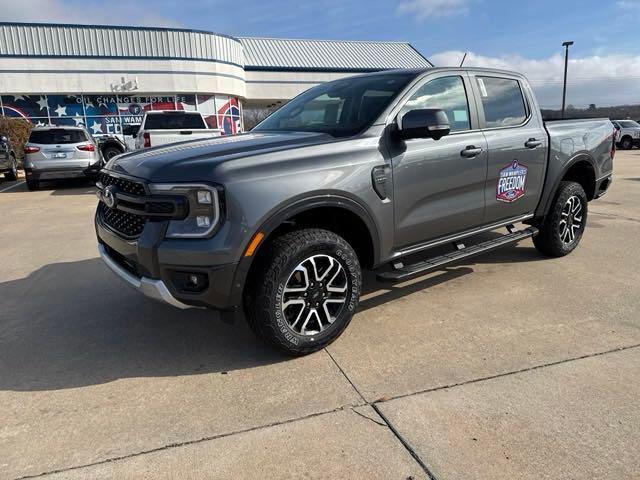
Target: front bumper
pixel 150 287
pixel 152 265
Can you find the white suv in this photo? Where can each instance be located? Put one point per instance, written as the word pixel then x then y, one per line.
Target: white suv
pixel 628 133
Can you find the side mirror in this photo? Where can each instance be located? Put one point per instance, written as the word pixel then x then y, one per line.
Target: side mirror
pixel 423 123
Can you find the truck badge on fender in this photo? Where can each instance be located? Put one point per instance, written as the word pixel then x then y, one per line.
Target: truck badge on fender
pixel 511 182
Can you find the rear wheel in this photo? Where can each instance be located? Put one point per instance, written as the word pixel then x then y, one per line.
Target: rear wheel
pixel 626 143
pixel 33 184
pixel 12 174
pixel 563 227
pixel 304 291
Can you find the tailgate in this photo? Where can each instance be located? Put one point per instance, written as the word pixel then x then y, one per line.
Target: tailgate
pixel 162 137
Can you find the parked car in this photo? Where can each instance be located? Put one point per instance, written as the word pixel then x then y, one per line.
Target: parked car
pixel 365 172
pixel 53 153
pixel 169 126
pixel 8 161
pixel 629 133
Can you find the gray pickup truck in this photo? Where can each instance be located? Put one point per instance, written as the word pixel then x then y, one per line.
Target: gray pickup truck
pixel 360 173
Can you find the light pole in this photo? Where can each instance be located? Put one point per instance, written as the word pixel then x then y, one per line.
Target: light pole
pixel 566 46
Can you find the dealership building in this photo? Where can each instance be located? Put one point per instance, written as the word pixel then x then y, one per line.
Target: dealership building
pixel 105 77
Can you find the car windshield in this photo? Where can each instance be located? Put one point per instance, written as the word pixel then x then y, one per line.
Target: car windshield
pixel 341 108
pixel 174 121
pixel 629 124
pixel 57 136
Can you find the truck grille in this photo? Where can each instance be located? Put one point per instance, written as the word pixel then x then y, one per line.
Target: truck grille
pixel 123 184
pixel 128 225
pixel 124 223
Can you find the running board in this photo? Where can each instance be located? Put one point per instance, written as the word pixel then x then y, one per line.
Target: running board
pixel 403 272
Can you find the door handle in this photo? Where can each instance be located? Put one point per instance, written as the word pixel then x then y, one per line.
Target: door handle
pixel 471 151
pixel 532 143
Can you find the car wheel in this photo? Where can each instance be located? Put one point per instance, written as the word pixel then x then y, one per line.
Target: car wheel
pixel 626 143
pixel 562 229
pixel 110 152
pixel 12 174
pixel 33 184
pixel 303 291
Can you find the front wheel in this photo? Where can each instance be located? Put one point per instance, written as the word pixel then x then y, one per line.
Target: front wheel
pixel 626 143
pixel 563 227
pixel 304 291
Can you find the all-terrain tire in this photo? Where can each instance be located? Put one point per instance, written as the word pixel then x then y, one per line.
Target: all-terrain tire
pixel 569 210
pixel 266 297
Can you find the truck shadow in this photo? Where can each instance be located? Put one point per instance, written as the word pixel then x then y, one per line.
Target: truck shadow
pixel 74 324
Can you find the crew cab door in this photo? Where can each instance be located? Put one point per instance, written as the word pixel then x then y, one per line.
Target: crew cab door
pixel 439 184
pixel 517 145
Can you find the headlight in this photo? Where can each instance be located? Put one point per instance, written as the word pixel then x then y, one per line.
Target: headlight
pixel 204 209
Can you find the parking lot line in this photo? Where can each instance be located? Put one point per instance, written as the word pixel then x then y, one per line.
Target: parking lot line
pixel 11 186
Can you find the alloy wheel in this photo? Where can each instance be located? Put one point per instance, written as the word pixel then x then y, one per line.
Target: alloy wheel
pixel 571 221
pixel 315 294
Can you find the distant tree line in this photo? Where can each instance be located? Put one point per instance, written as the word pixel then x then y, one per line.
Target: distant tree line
pixel 619 112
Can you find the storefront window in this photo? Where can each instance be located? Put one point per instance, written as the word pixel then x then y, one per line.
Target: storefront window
pixel 106 114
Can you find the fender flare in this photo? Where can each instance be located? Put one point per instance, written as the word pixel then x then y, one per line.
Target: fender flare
pixel 300 205
pixel 547 199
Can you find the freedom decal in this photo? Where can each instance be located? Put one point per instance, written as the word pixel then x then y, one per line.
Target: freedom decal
pixel 512 181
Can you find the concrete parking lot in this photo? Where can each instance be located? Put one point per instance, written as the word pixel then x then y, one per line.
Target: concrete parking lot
pixel 508 366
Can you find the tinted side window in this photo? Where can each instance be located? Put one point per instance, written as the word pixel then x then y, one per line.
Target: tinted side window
pixel 446 93
pixel 502 101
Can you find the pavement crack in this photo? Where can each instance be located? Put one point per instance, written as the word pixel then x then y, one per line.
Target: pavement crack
pixel 405 443
pixel 345 375
pixel 186 443
pixel 353 409
pixel 505 374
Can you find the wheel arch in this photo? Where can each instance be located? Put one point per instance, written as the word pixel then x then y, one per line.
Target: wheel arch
pixel 339 213
pixel 581 169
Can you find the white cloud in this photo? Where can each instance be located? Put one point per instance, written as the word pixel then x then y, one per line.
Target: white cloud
pixel 433 8
pixel 603 80
pixel 628 4
pixel 86 12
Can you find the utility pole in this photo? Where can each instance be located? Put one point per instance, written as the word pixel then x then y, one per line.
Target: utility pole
pixel 566 46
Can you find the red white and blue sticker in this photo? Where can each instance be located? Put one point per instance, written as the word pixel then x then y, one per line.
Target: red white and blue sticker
pixel 512 181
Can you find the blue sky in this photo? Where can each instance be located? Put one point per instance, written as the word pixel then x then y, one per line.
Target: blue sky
pixel 523 35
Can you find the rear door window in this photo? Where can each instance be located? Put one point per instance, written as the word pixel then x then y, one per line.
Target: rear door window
pixel 502 101
pixel 57 136
pixel 174 121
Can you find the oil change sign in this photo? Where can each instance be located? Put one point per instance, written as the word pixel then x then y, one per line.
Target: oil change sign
pixel 511 182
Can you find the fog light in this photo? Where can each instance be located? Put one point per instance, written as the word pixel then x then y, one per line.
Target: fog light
pixel 202 221
pixel 204 197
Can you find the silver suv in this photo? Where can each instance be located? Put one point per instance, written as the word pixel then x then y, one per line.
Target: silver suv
pixel 54 153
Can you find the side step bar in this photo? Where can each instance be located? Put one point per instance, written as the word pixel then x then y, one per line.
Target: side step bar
pixel 402 272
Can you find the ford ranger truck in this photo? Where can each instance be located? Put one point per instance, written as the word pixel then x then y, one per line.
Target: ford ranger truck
pixel 367 172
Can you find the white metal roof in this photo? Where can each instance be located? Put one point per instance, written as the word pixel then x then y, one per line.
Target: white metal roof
pixel 94 41
pixel 334 55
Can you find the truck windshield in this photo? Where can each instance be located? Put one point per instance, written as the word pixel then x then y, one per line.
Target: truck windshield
pixel 341 108
pixel 174 121
pixel 629 124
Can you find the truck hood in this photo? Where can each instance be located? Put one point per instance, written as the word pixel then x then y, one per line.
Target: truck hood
pixel 196 159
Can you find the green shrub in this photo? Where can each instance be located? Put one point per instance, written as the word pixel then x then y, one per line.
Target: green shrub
pixel 17 130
